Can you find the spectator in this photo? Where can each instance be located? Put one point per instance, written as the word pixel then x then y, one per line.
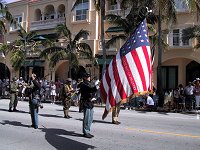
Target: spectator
pixel 149 102
pixel 53 92
pixel 189 95
pixel 197 93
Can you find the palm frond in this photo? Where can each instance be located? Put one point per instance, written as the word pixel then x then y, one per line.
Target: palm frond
pixel 51 50
pixel 82 33
pixel 84 50
pixel 113 40
pixel 2 26
pixel 56 57
pixel 191 32
pixel 17 59
pixel 61 28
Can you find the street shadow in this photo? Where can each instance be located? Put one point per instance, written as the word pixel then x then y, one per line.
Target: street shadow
pixel 97 121
pixel 13 123
pixel 58 139
pixel 163 113
pixel 49 115
pixel 19 111
pixel 141 111
pixel 69 110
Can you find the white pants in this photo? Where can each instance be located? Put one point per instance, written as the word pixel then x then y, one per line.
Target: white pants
pixel 197 99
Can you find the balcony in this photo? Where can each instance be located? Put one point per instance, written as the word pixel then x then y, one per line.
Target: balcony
pixel 46 24
pixel 118 12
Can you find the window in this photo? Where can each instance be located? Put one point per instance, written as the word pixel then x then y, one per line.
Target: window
pixel 181 5
pixel 113 5
pixel 185 42
pixel 178 40
pixel 81 10
pixel 169 77
pixel 15 26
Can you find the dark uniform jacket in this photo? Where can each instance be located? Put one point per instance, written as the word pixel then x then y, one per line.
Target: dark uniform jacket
pixel 86 94
pixel 36 88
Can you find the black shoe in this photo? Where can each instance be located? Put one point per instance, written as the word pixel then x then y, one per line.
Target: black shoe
pixel 91 135
pixel 116 122
pixel 88 136
pixel 35 127
pixel 15 110
pixel 10 110
pixel 31 126
pixel 69 116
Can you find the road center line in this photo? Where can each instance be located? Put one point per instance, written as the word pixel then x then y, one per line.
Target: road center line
pixel 164 133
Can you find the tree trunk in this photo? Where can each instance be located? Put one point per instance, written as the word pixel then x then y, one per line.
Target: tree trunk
pixel 159 69
pixel 102 4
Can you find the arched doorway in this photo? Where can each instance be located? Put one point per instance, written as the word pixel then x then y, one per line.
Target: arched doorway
pixel 192 71
pixel 5 72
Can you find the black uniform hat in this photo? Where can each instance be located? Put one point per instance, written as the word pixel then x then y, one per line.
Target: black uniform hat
pixel 86 75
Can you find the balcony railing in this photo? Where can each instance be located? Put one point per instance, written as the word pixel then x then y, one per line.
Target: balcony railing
pixel 46 24
pixel 119 12
pixel 175 41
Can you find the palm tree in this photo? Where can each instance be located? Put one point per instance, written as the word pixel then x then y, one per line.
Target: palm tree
pixel 192 32
pixel 70 51
pixel 21 46
pixel 7 17
pixel 100 7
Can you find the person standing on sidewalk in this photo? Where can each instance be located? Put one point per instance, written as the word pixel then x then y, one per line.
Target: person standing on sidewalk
pixel 197 93
pixel 87 104
pixel 13 95
pixel 35 101
pixel 189 95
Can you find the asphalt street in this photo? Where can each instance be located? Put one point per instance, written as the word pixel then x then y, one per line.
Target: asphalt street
pixel 138 130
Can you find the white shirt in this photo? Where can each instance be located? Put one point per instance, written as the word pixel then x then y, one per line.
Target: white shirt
pixel 150 101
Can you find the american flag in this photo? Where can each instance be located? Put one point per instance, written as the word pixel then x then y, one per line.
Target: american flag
pixel 130 71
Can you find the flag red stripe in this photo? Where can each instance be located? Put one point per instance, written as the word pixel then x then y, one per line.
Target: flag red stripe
pixel 118 82
pixel 129 75
pixel 148 61
pixel 103 92
pixel 109 93
pixel 139 67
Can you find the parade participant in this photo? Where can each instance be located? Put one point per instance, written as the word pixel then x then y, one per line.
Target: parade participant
pixel 115 114
pixel 86 97
pixel 34 101
pixel 80 81
pixel 66 94
pixel 13 95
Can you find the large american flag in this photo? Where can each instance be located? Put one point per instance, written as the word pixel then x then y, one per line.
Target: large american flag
pixel 130 71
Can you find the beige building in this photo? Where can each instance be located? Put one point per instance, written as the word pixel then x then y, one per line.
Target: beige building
pixel 180 61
